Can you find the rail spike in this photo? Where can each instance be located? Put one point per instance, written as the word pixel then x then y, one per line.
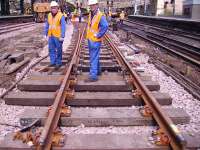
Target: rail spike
pixel 160 137
pixel 146 111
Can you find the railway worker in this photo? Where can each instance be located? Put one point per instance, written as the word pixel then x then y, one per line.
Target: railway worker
pixel 97 27
pixel 65 15
pixel 79 15
pixel 55 31
pixel 121 17
pixel 109 16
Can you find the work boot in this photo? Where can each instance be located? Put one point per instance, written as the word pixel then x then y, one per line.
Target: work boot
pixel 51 65
pixel 99 73
pixel 90 80
pixel 57 67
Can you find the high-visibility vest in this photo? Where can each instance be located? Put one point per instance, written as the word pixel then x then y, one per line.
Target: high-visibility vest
pixel 54 25
pixel 73 18
pixel 93 27
pixel 65 15
pixel 109 13
pixel 122 15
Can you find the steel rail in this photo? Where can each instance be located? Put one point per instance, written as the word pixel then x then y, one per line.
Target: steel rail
pixel 8 30
pixel 190 86
pixel 165 29
pixel 186 53
pixel 185 48
pixel 15 25
pixel 176 139
pixel 45 140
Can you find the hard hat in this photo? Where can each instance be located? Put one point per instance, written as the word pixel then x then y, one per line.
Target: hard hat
pixel 53 4
pixel 92 2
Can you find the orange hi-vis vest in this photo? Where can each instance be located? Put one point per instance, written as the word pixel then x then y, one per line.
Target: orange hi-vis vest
pixel 93 27
pixel 54 25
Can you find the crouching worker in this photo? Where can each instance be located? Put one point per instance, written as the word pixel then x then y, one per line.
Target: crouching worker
pixel 97 27
pixel 55 31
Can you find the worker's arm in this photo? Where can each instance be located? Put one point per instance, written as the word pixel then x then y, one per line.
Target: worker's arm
pixel 46 28
pixel 103 27
pixel 63 26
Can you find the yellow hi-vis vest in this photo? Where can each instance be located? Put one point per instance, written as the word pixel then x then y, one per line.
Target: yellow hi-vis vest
pixel 110 14
pixel 122 15
pixel 93 27
pixel 54 25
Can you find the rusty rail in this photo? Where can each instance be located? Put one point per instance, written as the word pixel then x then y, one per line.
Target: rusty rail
pixel 45 141
pixel 177 141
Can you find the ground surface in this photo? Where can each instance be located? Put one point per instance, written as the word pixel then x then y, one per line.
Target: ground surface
pixel 181 98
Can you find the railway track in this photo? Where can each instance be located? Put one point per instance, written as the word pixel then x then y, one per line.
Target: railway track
pixel 9 28
pixel 191 87
pixel 110 100
pixel 181 43
pixel 165 29
pixel 5 20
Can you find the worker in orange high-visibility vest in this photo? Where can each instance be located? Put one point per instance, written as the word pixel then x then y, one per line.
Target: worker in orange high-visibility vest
pixel 121 17
pixel 55 31
pixel 97 27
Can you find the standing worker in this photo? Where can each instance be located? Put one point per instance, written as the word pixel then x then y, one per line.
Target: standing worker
pixel 55 31
pixel 121 17
pixel 97 27
pixel 79 15
pixel 109 15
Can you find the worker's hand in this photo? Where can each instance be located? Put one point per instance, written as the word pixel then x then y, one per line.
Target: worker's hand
pixel 61 39
pixel 95 35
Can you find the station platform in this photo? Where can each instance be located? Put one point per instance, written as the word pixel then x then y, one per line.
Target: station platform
pixel 181 23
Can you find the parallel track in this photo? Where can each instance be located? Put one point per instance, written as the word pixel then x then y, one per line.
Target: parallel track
pixel 160 37
pixel 4 20
pixel 15 27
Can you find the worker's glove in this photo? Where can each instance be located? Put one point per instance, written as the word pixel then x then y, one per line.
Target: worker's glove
pixel 61 39
pixel 95 35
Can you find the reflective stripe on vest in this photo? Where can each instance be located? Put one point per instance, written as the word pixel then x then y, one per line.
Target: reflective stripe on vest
pixel 54 25
pixel 93 27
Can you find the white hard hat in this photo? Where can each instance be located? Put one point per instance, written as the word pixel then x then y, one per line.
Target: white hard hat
pixel 92 2
pixel 53 4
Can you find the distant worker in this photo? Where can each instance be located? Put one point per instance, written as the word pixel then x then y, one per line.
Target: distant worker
pixel 79 15
pixel 97 27
pixel 110 13
pixel 69 17
pixel 121 17
pixel 65 15
pixel 109 16
pixel 55 31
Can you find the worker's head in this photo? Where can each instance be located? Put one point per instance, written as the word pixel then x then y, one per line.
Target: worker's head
pixel 54 7
pixel 93 4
